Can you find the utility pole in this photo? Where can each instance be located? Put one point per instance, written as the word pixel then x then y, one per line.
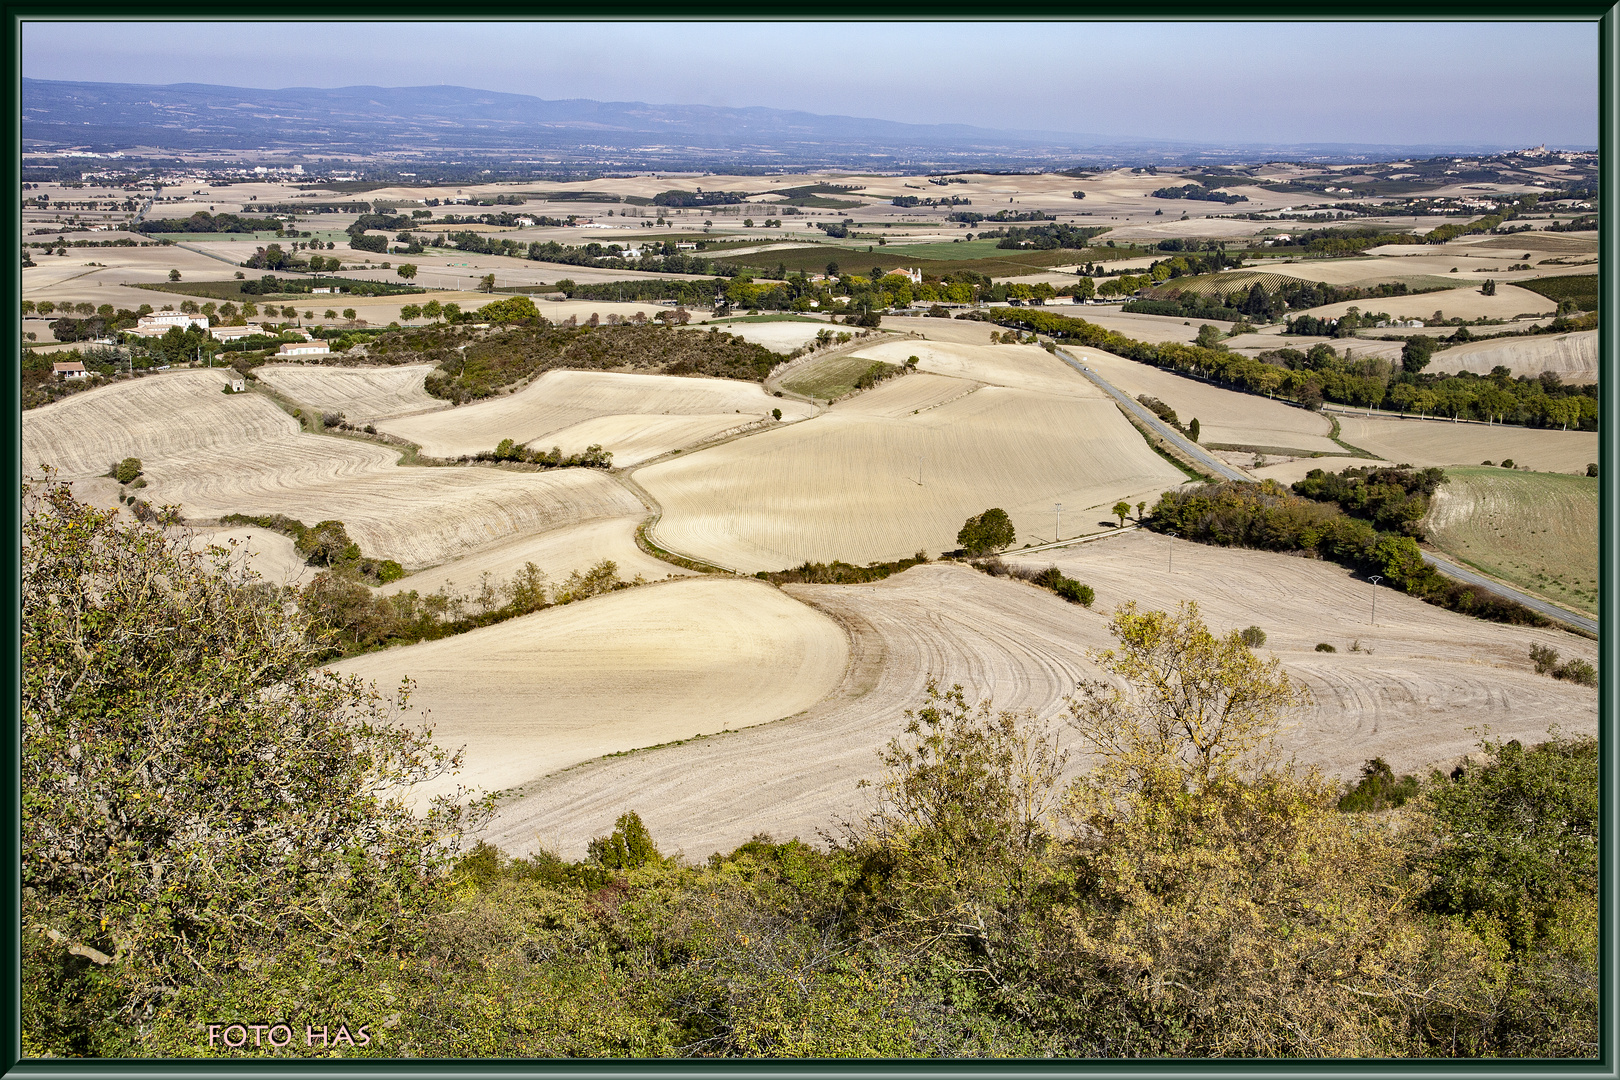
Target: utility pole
pixel 1375 579
pixel 1057 522
pixel 1171 564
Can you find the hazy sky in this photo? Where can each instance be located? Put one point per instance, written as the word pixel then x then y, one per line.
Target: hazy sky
pixel 1514 84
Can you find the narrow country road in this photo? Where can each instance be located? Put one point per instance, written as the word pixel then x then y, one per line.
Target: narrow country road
pixel 1445 566
pixel 1534 603
pixel 1147 416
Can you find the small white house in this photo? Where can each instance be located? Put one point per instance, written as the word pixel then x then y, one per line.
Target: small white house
pixel 305 348
pixel 72 370
pixel 238 386
pixel 162 320
pixel 235 333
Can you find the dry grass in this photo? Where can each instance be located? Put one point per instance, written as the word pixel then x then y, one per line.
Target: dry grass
pixel 845 485
pixel 1573 357
pixel 635 416
pixel 1432 677
pixel 630 669
pixel 1538 531
pixel 1441 442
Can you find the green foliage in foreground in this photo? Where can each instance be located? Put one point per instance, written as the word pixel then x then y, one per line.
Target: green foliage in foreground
pixel 214 832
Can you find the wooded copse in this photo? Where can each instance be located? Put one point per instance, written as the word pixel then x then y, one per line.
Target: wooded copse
pixel 1187 896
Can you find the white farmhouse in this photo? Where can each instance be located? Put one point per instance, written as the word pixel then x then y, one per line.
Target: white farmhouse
pixel 305 348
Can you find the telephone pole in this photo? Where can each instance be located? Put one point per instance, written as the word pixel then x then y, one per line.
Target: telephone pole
pixel 1057 522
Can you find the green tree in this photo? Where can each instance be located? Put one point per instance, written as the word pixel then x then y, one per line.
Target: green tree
pixel 1141 509
pixel 1209 337
pixel 195 793
pixel 1192 429
pixel 432 309
pixel 1415 354
pixel 349 313
pixel 174 275
pixel 128 470
pixel 486 283
pixel 1122 508
pixel 406 270
pixel 986 533
pixel 628 847
pixel 410 311
pixel 1489 288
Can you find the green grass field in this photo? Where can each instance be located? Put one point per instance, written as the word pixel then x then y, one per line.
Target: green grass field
pixel 830 378
pixel 1538 531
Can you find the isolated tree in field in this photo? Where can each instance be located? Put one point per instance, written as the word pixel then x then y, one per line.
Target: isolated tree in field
pixel 349 313
pixel 329 313
pixel 128 470
pixel 1122 508
pixel 1141 508
pixel 486 283
pixel 1209 337
pixel 406 270
pixel 1192 429
pixel 1489 288
pixel 986 533
pixel 174 275
pixel 195 791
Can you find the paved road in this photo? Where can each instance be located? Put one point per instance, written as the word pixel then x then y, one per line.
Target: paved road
pixel 1445 566
pixel 1534 603
pixel 1184 444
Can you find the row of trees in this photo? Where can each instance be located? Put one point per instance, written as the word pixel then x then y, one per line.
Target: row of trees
pixel 236 848
pixel 1322 374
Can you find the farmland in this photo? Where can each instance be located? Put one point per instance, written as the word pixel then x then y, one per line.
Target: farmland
pixel 1536 530
pixel 633 416
pixel 362 394
pixel 635 668
pixel 861 482
pixel 1429 679
pixel 1440 442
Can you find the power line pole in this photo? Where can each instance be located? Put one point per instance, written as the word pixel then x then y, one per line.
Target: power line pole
pixel 1375 579
pixel 1171 565
pixel 1057 522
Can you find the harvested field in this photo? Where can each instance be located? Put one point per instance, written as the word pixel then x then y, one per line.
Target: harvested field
pixel 362 394
pixel 217 454
pixel 1224 416
pixel 1290 470
pixel 1432 676
pixel 1441 442
pixel 1538 240
pixel 152 418
pixel 1573 357
pixel 649 414
pixel 630 669
pixel 558 552
pixel 269 554
pixel 778 336
pixel 845 484
pixel 1538 531
pixel 1020 367
pixel 1465 303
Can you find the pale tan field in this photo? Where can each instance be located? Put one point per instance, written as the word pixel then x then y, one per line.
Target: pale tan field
pixel 557 553
pixel 1018 367
pixel 362 394
pixel 782 337
pixel 1224 416
pixel 1466 303
pixel 154 418
pixel 635 416
pixel 630 669
pixel 845 484
pixel 1289 470
pixel 1573 357
pixel 269 554
pixel 216 454
pixel 1440 442
pixel 1431 676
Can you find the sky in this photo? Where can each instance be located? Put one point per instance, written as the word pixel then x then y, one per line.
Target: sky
pixel 1505 84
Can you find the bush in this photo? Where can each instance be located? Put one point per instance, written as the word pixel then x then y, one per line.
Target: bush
pixel 629 846
pixel 1378 789
pixel 1253 637
pixel 1577 671
pixel 1322 646
pixel 127 470
pixel 1591 469
pixel 1507 463
pixel 1544 657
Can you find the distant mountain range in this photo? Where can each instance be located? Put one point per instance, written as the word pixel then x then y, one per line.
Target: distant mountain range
pixel 443 122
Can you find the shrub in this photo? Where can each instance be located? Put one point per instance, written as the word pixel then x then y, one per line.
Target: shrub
pixel 1378 789
pixel 127 470
pixel 1591 469
pixel 1544 657
pixel 1507 463
pixel 1253 637
pixel 629 846
pixel 1577 671
pixel 1322 646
